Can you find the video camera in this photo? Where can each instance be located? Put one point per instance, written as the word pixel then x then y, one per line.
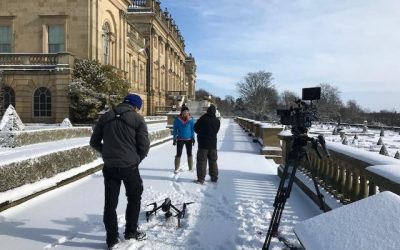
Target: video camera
pixel 300 117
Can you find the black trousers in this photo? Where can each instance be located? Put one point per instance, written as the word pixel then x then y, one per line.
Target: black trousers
pixel 179 148
pixel 134 189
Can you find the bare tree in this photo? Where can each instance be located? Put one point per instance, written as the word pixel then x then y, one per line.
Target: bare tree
pixel 287 98
pixel 352 112
pixel 330 103
pixel 258 93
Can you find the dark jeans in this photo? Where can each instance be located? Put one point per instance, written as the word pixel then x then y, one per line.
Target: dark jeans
pixel 202 156
pixel 134 189
pixel 179 148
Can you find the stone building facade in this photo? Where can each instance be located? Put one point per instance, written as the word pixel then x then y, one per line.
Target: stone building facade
pixel 40 39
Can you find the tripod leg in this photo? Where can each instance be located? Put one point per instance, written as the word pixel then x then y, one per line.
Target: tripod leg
pixel 320 196
pixel 285 187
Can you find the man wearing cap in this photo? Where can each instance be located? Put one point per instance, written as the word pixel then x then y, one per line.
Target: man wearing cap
pixel 122 139
pixel 183 135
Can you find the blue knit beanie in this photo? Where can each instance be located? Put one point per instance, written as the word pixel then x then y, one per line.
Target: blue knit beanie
pixel 134 100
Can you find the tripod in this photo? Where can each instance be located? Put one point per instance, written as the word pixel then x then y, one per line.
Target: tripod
pixel 297 154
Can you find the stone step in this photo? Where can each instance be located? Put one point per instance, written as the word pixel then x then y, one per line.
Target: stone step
pixel 276 158
pixel 268 150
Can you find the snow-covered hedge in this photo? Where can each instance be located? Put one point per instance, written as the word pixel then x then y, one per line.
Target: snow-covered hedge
pixel 20 138
pixel 16 174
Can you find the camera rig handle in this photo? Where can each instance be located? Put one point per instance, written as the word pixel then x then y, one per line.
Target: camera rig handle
pixel 319 141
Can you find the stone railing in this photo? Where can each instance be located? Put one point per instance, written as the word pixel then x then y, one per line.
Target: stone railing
pixel 345 174
pixel 266 134
pixel 140 3
pixel 162 109
pixel 35 60
pixel 349 174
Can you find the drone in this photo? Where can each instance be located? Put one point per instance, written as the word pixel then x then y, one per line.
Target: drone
pixel 166 208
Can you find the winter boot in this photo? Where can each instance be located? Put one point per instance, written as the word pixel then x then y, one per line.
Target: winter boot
pixel 190 163
pixel 177 163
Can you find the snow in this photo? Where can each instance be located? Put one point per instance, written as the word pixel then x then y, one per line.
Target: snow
pixel 270 125
pixel 360 154
pixel 66 123
pixel 371 223
pixel 11 121
pixel 365 141
pixel 232 214
pixel 29 189
pixel 391 172
pixel 9 155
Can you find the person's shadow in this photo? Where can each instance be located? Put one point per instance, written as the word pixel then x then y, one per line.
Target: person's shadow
pixel 91 230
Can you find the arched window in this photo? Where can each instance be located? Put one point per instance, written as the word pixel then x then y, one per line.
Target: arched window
pixel 42 102
pixel 7 99
pixel 106 43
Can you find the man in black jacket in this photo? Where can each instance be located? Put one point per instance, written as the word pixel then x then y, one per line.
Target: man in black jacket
pixel 125 144
pixel 207 128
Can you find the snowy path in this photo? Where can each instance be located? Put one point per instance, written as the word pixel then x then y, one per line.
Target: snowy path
pixel 233 214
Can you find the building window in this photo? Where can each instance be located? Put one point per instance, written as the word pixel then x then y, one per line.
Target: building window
pixel 5 39
pixel 7 99
pixel 106 43
pixel 56 38
pixel 42 102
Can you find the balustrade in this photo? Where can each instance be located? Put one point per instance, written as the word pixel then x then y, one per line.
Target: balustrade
pixel 28 59
pixel 344 174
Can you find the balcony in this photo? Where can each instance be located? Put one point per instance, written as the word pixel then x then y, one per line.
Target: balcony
pixel 35 61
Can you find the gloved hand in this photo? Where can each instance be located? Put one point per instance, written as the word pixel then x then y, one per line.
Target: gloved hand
pixel 174 142
pixel 193 142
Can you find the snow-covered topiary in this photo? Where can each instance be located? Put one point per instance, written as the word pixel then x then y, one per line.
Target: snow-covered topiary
pixel 365 129
pixel 380 141
pixel 66 123
pixel 383 150
pixel 345 141
pixel 335 131
pixel 397 155
pixel 11 121
pixel 382 132
pixel 355 136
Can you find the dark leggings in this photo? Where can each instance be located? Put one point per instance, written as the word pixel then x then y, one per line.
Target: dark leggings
pixel 179 148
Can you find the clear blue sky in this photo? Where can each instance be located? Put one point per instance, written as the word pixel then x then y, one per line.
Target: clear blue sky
pixel 353 45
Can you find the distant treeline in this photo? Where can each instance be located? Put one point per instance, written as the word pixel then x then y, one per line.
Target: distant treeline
pixel 259 99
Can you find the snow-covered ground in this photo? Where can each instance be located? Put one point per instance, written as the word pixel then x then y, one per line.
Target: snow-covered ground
pixel 232 214
pixel 366 141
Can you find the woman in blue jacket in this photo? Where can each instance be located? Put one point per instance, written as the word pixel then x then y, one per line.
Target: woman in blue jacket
pixel 183 135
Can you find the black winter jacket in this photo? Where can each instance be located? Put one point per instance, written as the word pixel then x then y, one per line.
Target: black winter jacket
pixel 125 139
pixel 207 128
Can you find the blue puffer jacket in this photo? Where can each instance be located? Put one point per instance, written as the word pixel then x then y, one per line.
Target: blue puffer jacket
pixel 183 130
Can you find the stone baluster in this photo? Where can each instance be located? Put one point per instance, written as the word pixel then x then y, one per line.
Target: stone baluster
pixel 336 175
pixel 355 189
pixel 371 188
pixel 342 178
pixel 363 186
pixel 348 183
